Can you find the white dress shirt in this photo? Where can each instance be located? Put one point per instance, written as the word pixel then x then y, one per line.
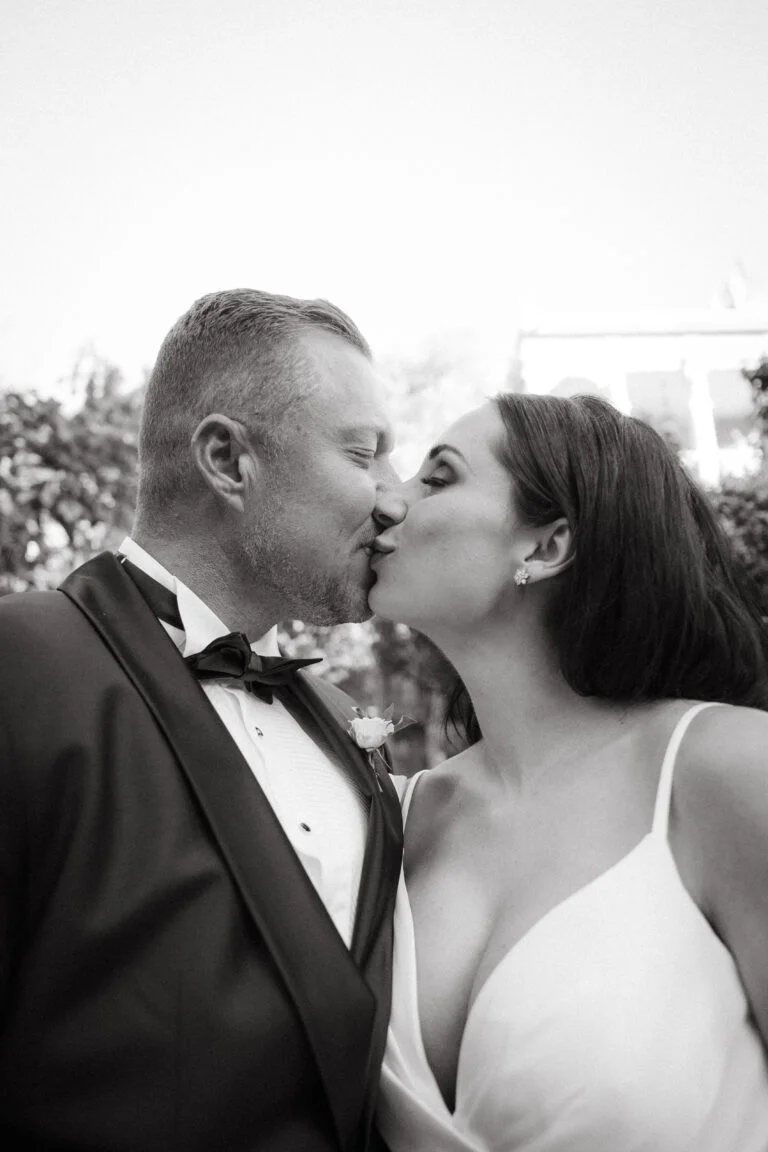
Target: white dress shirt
pixel 321 811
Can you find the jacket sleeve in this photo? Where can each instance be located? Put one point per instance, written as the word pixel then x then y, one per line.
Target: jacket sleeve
pixel 12 866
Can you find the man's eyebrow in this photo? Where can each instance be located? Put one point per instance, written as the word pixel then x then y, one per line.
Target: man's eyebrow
pixel 438 448
pixel 383 435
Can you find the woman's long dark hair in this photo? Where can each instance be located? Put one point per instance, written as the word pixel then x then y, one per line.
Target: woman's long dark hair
pixel 655 603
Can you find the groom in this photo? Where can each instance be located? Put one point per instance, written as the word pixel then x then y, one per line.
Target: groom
pixel 197 865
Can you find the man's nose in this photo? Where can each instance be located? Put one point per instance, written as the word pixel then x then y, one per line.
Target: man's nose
pixel 391 506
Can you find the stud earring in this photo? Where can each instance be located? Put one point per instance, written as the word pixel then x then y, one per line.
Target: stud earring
pixel 522 575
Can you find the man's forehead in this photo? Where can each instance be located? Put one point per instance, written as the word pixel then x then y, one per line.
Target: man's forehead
pixel 346 390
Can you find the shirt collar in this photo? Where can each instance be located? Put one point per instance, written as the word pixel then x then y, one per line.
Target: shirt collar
pixel 201 625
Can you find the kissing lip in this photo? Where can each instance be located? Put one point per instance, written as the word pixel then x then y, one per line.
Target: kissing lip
pixel 380 554
pixel 382 547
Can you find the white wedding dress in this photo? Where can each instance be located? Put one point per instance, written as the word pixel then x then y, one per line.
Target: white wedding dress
pixel 618 1023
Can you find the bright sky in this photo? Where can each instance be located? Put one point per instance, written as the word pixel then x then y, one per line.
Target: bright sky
pixel 429 165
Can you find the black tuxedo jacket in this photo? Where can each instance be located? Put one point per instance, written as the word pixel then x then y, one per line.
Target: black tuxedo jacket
pixel 169 979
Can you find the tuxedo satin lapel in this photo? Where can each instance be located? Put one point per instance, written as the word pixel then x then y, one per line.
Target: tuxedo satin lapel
pixel 372 938
pixel 335 1004
pixel 383 854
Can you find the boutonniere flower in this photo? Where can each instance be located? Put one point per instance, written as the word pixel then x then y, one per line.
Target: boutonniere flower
pixel 370 733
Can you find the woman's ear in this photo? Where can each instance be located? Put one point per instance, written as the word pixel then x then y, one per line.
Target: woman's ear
pixel 225 458
pixel 553 552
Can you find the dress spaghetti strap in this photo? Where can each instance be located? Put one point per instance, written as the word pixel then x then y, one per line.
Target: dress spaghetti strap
pixel 409 791
pixel 664 791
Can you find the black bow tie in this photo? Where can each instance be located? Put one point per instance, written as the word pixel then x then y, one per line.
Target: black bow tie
pixel 226 658
pixel 231 657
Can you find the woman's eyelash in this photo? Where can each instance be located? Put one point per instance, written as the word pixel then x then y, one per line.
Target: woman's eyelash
pixel 433 482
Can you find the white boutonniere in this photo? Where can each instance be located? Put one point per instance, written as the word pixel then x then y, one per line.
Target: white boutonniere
pixel 370 733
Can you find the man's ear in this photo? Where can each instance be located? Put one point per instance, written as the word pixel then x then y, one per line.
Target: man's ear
pixel 225 458
pixel 553 551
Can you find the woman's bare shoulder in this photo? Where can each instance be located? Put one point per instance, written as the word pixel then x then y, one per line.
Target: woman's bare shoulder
pixel 438 792
pixel 725 754
pixel 453 773
pixel 720 797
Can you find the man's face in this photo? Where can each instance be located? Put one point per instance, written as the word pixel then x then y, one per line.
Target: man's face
pixel 311 534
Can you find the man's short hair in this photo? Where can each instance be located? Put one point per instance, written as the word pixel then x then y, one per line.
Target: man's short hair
pixel 237 353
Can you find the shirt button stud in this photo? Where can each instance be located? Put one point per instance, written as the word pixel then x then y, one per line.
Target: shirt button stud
pixel 305 827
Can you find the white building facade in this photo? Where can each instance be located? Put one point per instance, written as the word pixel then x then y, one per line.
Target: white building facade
pixel 682 374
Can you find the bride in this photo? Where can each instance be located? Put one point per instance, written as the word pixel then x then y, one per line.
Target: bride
pixel 582 928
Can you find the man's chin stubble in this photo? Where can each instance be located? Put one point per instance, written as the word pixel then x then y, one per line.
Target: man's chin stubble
pixel 333 604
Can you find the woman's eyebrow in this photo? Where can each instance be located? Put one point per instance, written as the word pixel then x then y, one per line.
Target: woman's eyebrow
pixel 438 448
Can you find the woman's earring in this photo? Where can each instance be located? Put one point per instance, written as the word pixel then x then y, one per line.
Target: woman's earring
pixel 522 575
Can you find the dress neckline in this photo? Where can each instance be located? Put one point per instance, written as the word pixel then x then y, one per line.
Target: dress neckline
pixel 657 836
pixel 512 953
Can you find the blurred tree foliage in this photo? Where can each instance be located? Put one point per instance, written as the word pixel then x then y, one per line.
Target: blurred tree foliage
pixel 758 379
pixel 742 505
pixel 67 481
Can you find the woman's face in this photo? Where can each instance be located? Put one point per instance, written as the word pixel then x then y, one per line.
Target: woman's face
pixel 453 557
